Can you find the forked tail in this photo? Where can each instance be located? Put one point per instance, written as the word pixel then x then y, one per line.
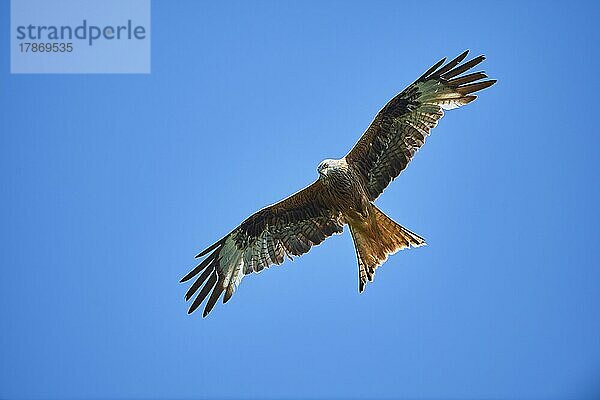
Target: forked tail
pixel 376 239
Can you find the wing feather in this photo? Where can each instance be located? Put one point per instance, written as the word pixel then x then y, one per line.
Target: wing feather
pixel 287 228
pixel 452 63
pixel 214 296
pixel 197 283
pixel 210 284
pixel 399 130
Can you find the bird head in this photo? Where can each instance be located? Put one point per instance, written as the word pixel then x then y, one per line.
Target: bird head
pixel 322 168
pixel 325 167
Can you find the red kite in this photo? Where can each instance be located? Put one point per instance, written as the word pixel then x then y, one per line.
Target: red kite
pixel 343 193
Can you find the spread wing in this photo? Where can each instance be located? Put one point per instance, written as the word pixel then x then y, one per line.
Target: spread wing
pixel 400 128
pixel 288 228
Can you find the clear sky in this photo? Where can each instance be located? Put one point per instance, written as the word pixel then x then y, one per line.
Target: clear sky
pixel 110 185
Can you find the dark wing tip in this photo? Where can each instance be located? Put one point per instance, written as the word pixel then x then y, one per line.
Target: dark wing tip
pixel 459 69
pixel 216 293
pixel 463 80
pixel 204 292
pixel 431 70
pixel 463 55
pixel 228 293
pixel 475 87
pixel 205 263
pixel 199 281
pixel 468 99
pixel 211 248
pixel 451 64
pixel 451 68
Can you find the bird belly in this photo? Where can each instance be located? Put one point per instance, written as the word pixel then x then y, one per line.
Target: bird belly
pixel 350 196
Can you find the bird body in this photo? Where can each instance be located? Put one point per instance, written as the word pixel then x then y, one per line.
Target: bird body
pixel 344 187
pixel 375 235
pixel 343 194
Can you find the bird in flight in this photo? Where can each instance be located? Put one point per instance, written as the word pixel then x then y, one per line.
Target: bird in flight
pixel 344 192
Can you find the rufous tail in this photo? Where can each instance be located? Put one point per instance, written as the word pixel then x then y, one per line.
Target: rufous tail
pixel 375 239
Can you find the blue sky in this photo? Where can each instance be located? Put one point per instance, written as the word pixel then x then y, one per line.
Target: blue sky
pixel 112 183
